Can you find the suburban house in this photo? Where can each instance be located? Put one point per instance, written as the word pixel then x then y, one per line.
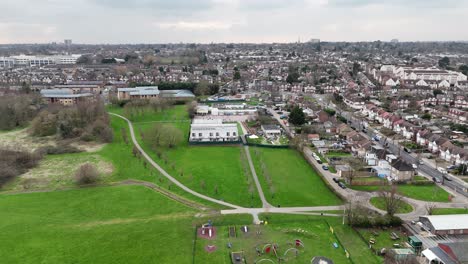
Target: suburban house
pixel 401 171
pixel 64 96
pixel 271 131
pixel 213 130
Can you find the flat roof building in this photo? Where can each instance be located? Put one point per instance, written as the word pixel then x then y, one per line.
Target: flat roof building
pixel 213 130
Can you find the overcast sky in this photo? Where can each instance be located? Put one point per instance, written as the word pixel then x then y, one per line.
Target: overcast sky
pixel 205 21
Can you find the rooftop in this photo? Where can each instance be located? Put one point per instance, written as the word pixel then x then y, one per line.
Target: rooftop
pixel 448 222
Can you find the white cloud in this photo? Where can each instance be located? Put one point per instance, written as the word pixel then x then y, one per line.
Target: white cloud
pixel 184 25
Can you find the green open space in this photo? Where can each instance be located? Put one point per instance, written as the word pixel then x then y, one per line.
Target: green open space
pixel 382 238
pixel 347 237
pixel 431 193
pixel 379 203
pixel 448 211
pixel 121 224
pixel 215 171
pixel 173 114
pixel 288 180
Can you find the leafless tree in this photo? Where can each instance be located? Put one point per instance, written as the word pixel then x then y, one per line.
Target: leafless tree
pixel 430 208
pixel 392 200
pixel 124 136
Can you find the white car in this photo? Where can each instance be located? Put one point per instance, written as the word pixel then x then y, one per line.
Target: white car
pixel 415 166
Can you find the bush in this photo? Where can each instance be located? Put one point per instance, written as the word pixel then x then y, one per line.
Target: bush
pixel 59 149
pixel 86 174
pixel 14 163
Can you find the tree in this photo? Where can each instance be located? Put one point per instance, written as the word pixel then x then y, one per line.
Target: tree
pixel 444 62
pixel 356 69
pixel 356 165
pixel 237 75
pixel 392 200
pixel 87 174
pixel 437 91
pixel 293 77
pixel 202 89
pixel 191 108
pixel 464 69
pixel 297 116
pixel 426 116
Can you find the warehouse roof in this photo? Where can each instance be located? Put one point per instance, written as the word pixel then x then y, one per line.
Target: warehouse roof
pixel 448 222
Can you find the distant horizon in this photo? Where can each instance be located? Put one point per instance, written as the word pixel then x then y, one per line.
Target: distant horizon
pixel 220 43
pixel 231 21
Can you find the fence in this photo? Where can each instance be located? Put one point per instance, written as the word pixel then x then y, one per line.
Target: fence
pixel 339 243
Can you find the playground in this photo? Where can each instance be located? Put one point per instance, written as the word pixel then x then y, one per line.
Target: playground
pixel 268 243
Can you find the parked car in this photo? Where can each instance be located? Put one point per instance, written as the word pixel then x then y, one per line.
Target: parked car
pixel 335 180
pixel 342 185
pixel 447 178
pixel 325 167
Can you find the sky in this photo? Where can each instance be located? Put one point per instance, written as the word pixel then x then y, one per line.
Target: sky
pixel 246 21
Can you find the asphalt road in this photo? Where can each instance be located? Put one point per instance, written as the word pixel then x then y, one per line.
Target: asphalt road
pixel 455 184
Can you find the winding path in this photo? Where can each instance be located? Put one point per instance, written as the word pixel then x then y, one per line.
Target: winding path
pixel 361 197
pixel 167 175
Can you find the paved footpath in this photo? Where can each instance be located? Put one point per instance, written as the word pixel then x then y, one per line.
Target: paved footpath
pixel 265 203
pixel 267 208
pixel 361 197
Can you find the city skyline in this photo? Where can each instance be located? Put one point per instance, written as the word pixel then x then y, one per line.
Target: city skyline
pixel 225 21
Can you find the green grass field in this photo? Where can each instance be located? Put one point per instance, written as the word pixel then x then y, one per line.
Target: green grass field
pixel 175 113
pixel 294 181
pixel 383 238
pixel 431 193
pixel 215 171
pixel 124 224
pixel 379 203
pixel 447 211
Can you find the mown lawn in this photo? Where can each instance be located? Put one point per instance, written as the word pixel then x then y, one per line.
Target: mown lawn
pixel 379 203
pixel 383 238
pixel 448 211
pixel 127 166
pixel 175 113
pixel 121 224
pixel 431 193
pixel 215 171
pixel 294 181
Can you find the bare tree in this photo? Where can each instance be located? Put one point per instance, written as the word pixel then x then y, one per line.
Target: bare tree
pixel 430 208
pixel 392 200
pixel 203 184
pixel 124 136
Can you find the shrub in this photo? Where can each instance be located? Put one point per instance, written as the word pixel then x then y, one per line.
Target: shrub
pixel 59 149
pixel 87 174
pixel 14 163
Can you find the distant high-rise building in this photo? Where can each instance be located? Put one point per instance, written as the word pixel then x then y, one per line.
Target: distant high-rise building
pixel 68 42
pixel 394 41
pixel 314 40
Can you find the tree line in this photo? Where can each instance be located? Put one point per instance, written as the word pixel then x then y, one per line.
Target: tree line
pixel 86 121
pixel 18 110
